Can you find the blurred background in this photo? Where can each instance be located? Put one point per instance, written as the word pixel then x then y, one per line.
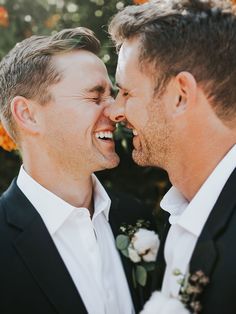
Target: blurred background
pixel 23 18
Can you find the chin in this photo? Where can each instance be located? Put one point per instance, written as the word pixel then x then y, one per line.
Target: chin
pixel 110 163
pixel 113 163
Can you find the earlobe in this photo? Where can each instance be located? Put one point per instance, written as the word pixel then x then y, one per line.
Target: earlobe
pixel 23 114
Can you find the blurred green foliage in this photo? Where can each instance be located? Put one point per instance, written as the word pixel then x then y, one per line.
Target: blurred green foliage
pixel 23 18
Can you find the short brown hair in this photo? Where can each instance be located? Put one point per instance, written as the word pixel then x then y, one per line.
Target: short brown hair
pixel 186 35
pixel 27 70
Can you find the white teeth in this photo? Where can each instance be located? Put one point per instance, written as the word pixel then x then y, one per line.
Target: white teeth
pixel 103 135
pixel 135 132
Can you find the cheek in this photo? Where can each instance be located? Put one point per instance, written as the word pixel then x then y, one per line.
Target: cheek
pixel 137 112
pixel 71 124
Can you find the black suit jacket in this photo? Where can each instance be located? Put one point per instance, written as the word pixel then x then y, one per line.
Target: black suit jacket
pixel 33 277
pixel 215 254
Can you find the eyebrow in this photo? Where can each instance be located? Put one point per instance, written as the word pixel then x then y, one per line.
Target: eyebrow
pixel 98 88
pixel 101 90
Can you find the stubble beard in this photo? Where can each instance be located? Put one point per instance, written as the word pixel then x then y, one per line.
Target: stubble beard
pixel 155 148
pixel 141 155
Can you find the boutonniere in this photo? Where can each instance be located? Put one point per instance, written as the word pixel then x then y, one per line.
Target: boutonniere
pixel 140 245
pixel 159 303
pixel 191 287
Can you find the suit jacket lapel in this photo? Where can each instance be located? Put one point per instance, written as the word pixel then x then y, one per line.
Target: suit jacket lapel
pixel 160 261
pixel 36 248
pixel 115 219
pixel 205 253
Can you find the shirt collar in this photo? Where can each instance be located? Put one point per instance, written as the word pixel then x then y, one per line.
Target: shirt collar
pixel 102 202
pixel 54 210
pixel 192 216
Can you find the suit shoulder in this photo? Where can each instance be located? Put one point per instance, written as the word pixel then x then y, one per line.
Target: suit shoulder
pixel 1 205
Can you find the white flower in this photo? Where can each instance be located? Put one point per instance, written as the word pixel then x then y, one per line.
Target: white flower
pixel 155 304
pixel 161 304
pixel 174 306
pixel 133 255
pixel 146 243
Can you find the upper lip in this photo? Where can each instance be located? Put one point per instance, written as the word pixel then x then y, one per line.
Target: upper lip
pixel 106 129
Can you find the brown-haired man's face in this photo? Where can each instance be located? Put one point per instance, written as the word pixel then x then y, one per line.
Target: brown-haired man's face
pixel 75 131
pixel 136 104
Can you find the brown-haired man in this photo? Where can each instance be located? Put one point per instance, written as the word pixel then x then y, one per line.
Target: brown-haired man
pixel 176 75
pixel 57 248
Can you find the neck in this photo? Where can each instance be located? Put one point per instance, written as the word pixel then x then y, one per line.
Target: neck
pixel 74 187
pixel 201 140
pixel 195 166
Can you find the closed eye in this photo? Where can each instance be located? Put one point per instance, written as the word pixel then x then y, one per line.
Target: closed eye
pixel 123 93
pixel 97 100
pixel 122 90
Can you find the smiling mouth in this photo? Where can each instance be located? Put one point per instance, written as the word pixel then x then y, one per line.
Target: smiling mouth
pixel 131 129
pixel 104 135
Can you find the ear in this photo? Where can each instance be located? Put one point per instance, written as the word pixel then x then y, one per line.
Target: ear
pixel 23 113
pixel 187 90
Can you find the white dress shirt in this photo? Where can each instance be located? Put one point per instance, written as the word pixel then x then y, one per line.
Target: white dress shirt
pixel 86 246
pixel 187 220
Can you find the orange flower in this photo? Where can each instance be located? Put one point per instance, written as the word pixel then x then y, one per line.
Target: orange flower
pixel 4 17
pixel 5 141
pixel 52 20
pixel 141 1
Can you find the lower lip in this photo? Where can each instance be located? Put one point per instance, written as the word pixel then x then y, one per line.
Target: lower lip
pixel 108 142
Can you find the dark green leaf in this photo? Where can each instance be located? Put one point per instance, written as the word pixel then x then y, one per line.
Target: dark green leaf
pixel 149 266
pixel 141 275
pixel 134 278
pixel 122 242
pixel 125 252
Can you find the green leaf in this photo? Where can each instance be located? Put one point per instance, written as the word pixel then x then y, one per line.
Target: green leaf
pixel 176 272
pixel 141 275
pixel 134 278
pixel 122 242
pixel 125 252
pixel 149 266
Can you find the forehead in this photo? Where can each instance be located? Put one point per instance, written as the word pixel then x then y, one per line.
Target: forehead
pixel 128 68
pixel 81 69
pixel 128 55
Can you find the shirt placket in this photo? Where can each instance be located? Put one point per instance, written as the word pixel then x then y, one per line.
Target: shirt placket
pixel 93 256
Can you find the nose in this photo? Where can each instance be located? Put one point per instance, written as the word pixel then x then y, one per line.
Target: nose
pixel 115 111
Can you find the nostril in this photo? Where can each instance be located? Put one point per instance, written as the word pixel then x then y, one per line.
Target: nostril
pixel 119 118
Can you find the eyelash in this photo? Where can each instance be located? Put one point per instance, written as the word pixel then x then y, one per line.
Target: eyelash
pixel 98 100
pixel 124 94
